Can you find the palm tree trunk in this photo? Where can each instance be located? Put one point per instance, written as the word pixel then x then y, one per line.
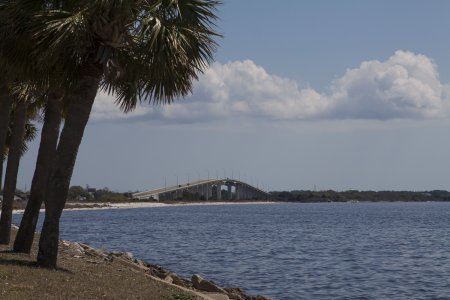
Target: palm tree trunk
pixel 81 99
pixel 47 149
pixel 12 168
pixel 5 109
pixel 1 173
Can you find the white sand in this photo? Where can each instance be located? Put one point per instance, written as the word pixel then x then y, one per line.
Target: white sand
pixel 103 206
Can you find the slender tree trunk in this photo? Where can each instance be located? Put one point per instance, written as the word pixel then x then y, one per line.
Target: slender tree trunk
pixel 1 172
pixel 47 150
pixel 5 109
pixel 81 99
pixel 12 168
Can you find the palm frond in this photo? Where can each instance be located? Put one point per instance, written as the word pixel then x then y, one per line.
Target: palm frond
pixel 170 42
pixel 150 50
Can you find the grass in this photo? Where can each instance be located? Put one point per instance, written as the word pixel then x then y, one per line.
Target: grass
pixel 78 278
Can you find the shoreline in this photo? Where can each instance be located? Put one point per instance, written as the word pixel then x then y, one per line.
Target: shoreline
pixel 85 272
pixel 133 205
pixel 76 206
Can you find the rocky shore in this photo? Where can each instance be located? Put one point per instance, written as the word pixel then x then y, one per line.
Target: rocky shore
pixel 206 288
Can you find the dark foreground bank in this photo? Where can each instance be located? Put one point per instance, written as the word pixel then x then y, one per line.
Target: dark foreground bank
pixel 88 273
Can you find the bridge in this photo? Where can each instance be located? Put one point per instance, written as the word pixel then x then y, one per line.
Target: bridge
pixel 206 189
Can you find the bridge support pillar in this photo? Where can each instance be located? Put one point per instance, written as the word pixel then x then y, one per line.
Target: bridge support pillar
pixel 219 192
pixel 230 195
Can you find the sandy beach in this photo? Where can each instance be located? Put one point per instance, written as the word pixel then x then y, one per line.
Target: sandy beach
pixel 128 205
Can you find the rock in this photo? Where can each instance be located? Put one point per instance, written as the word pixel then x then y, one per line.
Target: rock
pixel 140 263
pixel 236 294
pixel 205 285
pixel 94 252
pixel 168 279
pixel 157 271
pixel 125 255
pixel 180 281
pixel 217 296
pixel 128 255
pixel 75 247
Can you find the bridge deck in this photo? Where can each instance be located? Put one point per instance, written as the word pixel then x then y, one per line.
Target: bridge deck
pixel 243 188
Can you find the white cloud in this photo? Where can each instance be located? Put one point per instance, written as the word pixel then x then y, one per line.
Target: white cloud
pixel 105 109
pixel 406 85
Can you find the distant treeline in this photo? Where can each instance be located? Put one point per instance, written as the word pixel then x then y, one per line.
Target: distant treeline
pixel 79 193
pixel 360 196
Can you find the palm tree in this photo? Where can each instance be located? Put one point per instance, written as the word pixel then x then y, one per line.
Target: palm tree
pixel 5 109
pixel 155 56
pixel 11 73
pixel 12 168
pixel 20 132
pixel 49 138
pixel 17 56
pixel 139 50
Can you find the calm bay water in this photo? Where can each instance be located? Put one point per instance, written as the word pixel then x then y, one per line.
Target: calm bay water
pixel 287 251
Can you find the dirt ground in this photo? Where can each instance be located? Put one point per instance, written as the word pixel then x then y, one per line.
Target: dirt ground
pixel 78 277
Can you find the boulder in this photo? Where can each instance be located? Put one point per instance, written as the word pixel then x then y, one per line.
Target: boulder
pixel 94 252
pixel 205 285
pixel 157 271
pixel 180 281
pixel 128 255
pixel 76 248
pixel 168 279
pixel 217 296
pixel 236 294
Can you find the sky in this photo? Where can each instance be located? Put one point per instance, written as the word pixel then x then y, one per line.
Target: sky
pixel 302 95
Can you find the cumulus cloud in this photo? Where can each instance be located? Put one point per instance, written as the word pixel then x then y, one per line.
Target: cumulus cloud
pixel 105 109
pixel 405 86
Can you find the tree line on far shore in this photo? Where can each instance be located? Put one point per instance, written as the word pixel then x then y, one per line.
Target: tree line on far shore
pixel 78 193
pixel 55 56
pixel 360 196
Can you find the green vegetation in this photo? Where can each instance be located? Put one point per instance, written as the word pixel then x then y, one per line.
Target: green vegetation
pixel 360 196
pixel 60 54
pixel 78 193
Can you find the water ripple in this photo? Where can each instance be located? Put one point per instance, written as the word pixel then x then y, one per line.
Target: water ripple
pixel 288 251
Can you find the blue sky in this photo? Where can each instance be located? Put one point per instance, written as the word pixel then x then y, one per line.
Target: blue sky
pixel 333 94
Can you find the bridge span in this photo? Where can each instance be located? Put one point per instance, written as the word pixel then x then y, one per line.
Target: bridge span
pixel 206 189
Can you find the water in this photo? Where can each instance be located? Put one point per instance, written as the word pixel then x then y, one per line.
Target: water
pixel 287 251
